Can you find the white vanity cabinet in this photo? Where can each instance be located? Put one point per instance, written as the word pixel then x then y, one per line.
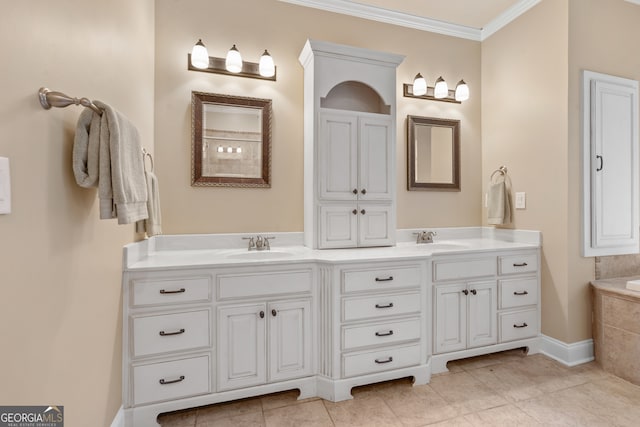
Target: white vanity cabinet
pixel 484 304
pixel 264 324
pixel 350 115
pixel 379 326
pixel 167 336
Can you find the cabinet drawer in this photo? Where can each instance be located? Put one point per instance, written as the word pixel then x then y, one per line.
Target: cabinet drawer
pixel 170 332
pixel 171 380
pixel 462 269
pixel 380 279
pixel 170 291
pixel 518 325
pixel 380 360
pixel 380 306
pixel 380 334
pixel 512 264
pixel 518 292
pixel 264 284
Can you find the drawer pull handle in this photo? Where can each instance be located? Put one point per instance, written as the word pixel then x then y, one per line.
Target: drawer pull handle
pixel 466 292
pixel 384 334
pixel 166 334
pixel 524 325
pixel 385 279
pixel 521 264
pixel 387 360
pixel 473 291
pixel 179 291
pixel 165 382
pixel 521 293
pixel 390 305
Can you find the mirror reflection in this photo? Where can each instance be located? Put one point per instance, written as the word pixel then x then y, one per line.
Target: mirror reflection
pixel 230 141
pixel 433 154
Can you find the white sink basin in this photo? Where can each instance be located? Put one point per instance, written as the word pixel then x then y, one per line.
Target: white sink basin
pixel 255 255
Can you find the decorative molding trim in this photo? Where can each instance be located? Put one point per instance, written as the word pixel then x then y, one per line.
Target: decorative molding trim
pixel 568 354
pixel 374 13
pixel 507 16
pixel 118 421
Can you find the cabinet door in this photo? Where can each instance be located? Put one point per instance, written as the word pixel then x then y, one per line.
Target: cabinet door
pixel 338 226
pixel 290 336
pixel 376 159
pixel 241 346
pixel 610 165
pixel 450 318
pixel 375 225
pixel 481 303
pixel 338 152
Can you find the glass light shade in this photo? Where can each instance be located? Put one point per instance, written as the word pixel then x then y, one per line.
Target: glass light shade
pixel 234 60
pixel 419 85
pixel 267 67
pixel 462 91
pixel 199 55
pixel 441 90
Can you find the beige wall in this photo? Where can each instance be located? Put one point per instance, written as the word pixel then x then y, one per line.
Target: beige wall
pixel 60 315
pixel 283 29
pixel 524 127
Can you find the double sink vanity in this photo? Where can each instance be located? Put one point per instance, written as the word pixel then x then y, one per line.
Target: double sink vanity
pixel 207 320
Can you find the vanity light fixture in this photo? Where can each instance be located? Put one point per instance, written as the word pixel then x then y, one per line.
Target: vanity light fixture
pixel 440 92
pixel 232 64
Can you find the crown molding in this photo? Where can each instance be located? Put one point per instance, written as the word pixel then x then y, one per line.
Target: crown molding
pixel 373 13
pixel 509 15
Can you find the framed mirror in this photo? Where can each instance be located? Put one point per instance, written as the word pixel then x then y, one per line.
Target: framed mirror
pixel 231 141
pixel 433 154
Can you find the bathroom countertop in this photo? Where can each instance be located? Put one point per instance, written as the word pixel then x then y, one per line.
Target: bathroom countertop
pixel 617 285
pixel 166 252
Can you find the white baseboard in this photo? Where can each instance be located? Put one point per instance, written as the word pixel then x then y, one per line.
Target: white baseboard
pixel 118 421
pixel 568 354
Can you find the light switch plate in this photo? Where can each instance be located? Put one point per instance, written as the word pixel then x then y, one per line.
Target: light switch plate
pixel 521 200
pixel 5 186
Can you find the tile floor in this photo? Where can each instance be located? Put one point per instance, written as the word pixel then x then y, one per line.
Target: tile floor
pixel 503 389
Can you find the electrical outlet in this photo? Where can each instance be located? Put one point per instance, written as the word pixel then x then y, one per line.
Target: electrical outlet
pixel 521 200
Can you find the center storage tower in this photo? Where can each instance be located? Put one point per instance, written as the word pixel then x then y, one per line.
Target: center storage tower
pixel 349 146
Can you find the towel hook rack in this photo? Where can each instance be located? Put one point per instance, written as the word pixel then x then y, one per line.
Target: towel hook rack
pixel 50 99
pixel 502 170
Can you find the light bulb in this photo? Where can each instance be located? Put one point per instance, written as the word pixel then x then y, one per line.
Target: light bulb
pixel 266 66
pixel 229 149
pixel 220 149
pixel 199 55
pixel 234 60
pixel 238 150
pixel 462 91
pixel 441 90
pixel 419 85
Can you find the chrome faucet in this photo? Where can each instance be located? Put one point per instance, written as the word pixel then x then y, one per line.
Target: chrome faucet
pixel 425 236
pixel 260 243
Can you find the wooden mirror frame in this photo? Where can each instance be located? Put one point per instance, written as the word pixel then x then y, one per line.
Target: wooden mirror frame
pixel 412 183
pixel 198 100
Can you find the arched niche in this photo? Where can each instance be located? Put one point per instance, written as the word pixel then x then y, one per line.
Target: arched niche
pixel 355 96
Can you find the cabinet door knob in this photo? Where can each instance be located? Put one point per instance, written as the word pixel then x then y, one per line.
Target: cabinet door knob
pixel 363 212
pixel 355 191
pixel 355 211
pixel 364 191
pixel 274 312
pixel 473 291
pixel 466 292
pixel 261 314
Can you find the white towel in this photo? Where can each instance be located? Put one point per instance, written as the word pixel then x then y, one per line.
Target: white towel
pixel 107 153
pixel 499 204
pixel 152 225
